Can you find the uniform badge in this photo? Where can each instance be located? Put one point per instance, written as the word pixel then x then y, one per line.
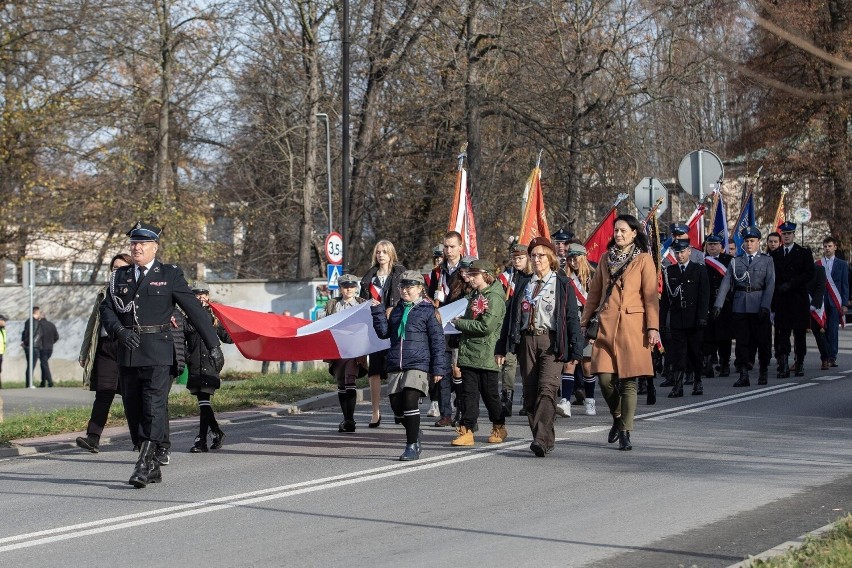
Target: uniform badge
pixel 479 306
pixel 124 290
pixel 525 306
pixel 138 225
pixel 548 307
pixel 156 269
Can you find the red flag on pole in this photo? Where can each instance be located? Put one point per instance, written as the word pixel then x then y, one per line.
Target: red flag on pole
pixel 597 241
pixel 534 219
pixel 780 214
pixel 461 215
pixel 696 227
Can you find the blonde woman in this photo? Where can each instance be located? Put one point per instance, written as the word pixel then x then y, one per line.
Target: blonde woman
pixel 381 284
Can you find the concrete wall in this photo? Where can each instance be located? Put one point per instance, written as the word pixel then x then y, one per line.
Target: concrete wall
pixel 69 307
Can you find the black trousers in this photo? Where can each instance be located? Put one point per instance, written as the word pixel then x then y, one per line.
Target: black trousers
pixel 753 336
pixel 43 358
pixel 782 336
pixel 145 394
pixel 686 347
pixel 476 383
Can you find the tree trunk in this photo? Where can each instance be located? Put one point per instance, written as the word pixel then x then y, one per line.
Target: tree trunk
pixel 162 174
pixel 311 62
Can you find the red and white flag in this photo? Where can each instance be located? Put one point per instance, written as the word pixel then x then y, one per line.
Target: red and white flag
pixel 271 337
pixel 696 227
pixel 461 216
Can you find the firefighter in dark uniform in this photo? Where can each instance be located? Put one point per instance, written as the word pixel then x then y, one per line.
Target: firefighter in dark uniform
pixel 752 278
pixel 136 313
pixel 794 268
pixel 719 332
pixel 684 305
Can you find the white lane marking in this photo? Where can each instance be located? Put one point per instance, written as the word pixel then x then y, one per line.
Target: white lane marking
pixel 706 402
pixel 846 372
pixel 726 403
pixel 829 378
pixel 588 430
pixel 189 509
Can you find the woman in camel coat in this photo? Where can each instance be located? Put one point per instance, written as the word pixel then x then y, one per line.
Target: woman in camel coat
pixel 628 322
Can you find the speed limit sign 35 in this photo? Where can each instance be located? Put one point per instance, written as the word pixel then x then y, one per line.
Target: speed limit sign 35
pixel 334 248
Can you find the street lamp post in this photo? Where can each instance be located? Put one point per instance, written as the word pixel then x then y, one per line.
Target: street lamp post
pixel 324 116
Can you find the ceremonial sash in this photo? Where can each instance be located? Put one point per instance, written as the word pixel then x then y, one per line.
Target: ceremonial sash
pixel 819 316
pixel 833 294
pixel 579 291
pixel 375 292
pixel 716 265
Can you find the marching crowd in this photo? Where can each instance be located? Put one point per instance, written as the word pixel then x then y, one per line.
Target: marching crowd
pixel 566 323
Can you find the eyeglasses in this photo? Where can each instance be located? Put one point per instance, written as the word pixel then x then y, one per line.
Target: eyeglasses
pixel 534 255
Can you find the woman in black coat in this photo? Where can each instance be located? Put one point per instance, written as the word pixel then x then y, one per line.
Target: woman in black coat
pixel 203 377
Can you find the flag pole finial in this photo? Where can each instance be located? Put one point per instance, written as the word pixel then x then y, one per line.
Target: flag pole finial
pixel 462 155
pixel 538 160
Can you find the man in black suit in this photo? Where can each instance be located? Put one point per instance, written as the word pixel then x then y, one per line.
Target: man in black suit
pixel 137 313
pixel 794 268
pixel 684 305
pixel 719 332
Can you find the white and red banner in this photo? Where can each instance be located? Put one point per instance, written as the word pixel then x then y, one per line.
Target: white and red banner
pixel 715 264
pixel 347 334
pixel 833 293
pixel 696 227
pixel 461 216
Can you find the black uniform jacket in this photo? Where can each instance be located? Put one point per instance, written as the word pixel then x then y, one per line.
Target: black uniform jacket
pixel 152 303
pixel 721 328
pixel 686 296
pixel 790 302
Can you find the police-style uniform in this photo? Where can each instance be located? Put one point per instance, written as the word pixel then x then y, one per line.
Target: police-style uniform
pixel 678 230
pixel 719 332
pixel 137 312
pixel 753 283
pixel 685 305
pixel 794 268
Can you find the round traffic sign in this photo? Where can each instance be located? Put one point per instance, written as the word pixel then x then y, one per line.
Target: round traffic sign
pixel 334 248
pixel 802 215
pixel 699 171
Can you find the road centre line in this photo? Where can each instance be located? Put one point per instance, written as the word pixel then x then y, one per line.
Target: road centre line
pixel 829 378
pixel 58 534
pixel 728 402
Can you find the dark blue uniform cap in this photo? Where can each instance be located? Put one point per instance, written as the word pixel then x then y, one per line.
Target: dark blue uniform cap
pixel 679 229
pixel 561 236
pixel 679 245
pixel 750 233
pixel 142 232
pixel 711 238
pixel 787 226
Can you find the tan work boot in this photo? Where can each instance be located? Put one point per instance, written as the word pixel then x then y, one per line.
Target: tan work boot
pixel 498 434
pixel 465 437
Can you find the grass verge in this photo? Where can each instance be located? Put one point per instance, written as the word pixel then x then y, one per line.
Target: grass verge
pixel 833 548
pixel 239 391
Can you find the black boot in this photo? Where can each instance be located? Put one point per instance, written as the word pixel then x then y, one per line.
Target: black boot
pixel 799 367
pixel 624 441
pixel 689 378
pixel 708 367
pixel 641 386
pixel 506 398
pixel 697 387
pixel 652 391
pixel 743 380
pixel 522 411
pixel 669 380
pixel 677 389
pixel 90 442
pixel 725 369
pixel 763 376
pixel 199 446
pixel 784 367
pixel 147 470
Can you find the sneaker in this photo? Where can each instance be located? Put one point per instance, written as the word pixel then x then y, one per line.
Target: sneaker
pixel 564 408
pixel 590 407
pixel 433 410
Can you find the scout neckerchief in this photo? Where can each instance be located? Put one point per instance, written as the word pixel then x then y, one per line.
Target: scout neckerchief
pixel 405 311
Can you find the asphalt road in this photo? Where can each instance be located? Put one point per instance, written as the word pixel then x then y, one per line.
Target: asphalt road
pixel 711 480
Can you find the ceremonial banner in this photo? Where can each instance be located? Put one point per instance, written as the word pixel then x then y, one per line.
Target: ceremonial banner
pixel 461 216
pixel 597 241
pixel 534 219
pixel 696 227
pixel 720 221
pixel 746 219
pixel 780 214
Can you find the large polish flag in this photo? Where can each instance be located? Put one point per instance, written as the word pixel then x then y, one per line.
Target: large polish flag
pixel 347 334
